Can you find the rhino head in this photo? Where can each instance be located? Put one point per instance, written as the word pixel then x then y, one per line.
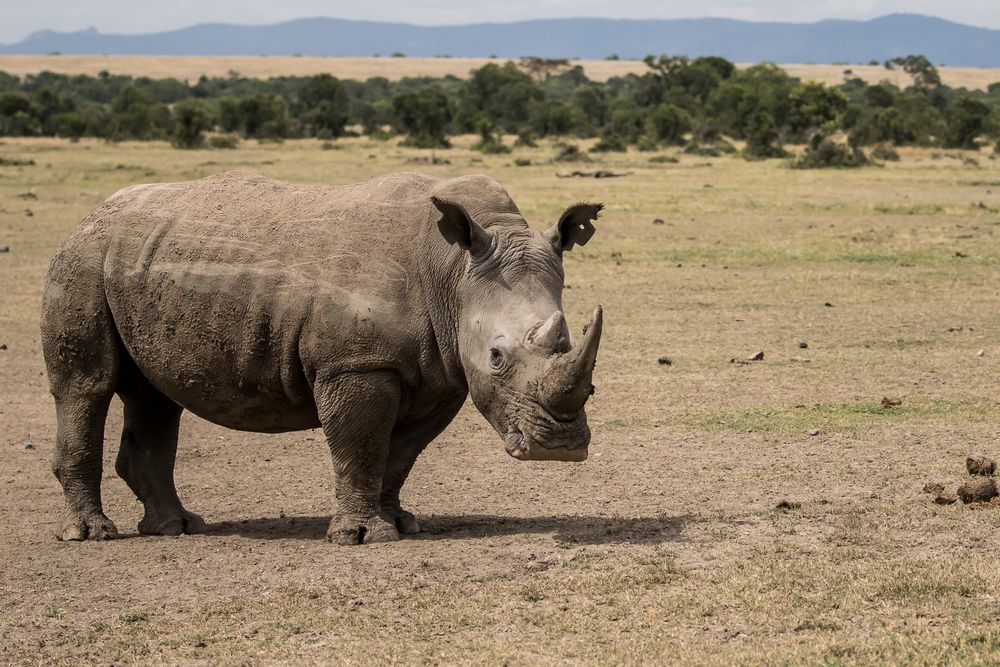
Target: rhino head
pixel 524 372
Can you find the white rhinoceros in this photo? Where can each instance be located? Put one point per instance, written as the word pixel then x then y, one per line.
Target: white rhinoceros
pixel 371 310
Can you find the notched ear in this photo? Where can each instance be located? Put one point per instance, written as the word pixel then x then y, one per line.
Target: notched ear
pixel 575 226
pixel 457 226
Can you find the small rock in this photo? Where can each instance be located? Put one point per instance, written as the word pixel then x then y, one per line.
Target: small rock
pixel 665 361
pixel 801 360
pixel 980 465
pixel 659 221
pixel 29 445
pixel 757 357
pixel 828 304
pixel 4 248
pixel 3 346
pixel 979 490
pixel 803 345
pixel 961 255
pixel 814 432
pixel 945 499
pixel 891 401
pixel 28 212
pixel 934 487
pixel 980 353
pixel 788 505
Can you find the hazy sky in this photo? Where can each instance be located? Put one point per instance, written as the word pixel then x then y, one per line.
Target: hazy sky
pixel 18 18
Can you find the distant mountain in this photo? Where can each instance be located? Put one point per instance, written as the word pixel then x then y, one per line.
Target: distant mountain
pixel 824 42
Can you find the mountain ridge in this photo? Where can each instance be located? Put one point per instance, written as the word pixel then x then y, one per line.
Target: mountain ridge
pixel 826 41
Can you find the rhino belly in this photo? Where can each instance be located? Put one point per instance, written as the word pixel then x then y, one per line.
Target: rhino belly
pixel 217 333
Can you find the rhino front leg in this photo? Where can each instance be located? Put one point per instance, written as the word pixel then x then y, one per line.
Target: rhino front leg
pixel 358 411
pixel 408 441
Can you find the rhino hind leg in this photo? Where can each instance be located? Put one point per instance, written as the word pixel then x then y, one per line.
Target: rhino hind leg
pixel 78 465
pixel 80 346
pixel 146 460
pixel 357 411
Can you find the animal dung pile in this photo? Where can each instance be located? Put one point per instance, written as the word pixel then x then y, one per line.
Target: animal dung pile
pixel 982 488
pixel 979 490
pixel 980 465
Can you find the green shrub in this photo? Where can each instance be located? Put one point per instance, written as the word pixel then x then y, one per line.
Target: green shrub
pixel 223 141
pixel 824 153
pixel 490 139
pixel 885 152
pixel 610 144
pixel 570 153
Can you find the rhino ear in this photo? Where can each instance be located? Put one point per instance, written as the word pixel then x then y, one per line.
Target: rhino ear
pixel 575 226
pixel 457 226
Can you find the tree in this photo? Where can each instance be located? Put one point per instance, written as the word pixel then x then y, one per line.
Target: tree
pixel 504 94
pixel 592 103
pixel 669 124
pixel 191 119
pixel 326 105
pixel 136 116
pixel 813 106
pixel 925 75
pixel 626 123
pixel 424 114
pixel 262 116
pixel 542 68
pixel 968 119
pixel 762 137
pixel 555 118
pixel 879 96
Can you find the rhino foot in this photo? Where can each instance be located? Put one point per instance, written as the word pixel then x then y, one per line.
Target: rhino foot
pixel 348 530
pixel 175 523
pixel 79 527
pixel 406 523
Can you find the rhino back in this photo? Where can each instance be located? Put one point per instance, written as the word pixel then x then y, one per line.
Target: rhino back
pixel 232 292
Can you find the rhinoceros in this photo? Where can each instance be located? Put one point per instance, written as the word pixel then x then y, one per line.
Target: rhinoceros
pixel 371 310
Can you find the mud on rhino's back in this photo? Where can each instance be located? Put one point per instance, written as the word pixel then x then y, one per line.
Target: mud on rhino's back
pixel 222 289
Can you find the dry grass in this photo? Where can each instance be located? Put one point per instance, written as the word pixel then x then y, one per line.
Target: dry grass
pixel 666 545
pixel 191 67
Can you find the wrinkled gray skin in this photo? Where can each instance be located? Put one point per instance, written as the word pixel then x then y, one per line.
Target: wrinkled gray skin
pixel 371 310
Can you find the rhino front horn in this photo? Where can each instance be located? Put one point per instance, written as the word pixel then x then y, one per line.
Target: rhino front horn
pixel 568 384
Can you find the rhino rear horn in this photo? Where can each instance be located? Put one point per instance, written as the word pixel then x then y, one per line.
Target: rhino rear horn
pixel 552 335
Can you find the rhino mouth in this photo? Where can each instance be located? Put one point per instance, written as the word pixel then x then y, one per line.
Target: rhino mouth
pixel 555 440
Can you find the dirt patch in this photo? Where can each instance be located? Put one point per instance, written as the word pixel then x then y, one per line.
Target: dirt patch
pixel 666 542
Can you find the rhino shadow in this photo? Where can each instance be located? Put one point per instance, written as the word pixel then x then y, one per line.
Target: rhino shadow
pixel 565 528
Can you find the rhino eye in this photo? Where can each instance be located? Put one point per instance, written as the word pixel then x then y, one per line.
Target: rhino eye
pixel 496 357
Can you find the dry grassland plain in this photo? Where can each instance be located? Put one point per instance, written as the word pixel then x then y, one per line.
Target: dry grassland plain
pixel 189 68
pixel 667 545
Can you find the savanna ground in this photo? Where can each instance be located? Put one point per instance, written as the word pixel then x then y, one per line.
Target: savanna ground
pixel 666 546
pixel 189 68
